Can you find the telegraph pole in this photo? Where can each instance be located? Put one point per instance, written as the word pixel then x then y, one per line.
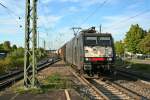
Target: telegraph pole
pixel 30 61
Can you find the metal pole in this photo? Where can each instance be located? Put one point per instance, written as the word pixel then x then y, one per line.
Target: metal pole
pixel 38 40
pixel 34 44
pixel 76 30
pixel 30 80
pixel 100 29
pixel 27 45
pixel 44 43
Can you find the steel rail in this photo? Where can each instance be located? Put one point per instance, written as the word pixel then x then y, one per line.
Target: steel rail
pixel 115 91
pixel 99 94
pixel 11 79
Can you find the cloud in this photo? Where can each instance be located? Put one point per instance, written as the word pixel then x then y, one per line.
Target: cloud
pixel 69 0
pixel 46 1
pixel 61 36
pixel 15 7
pixel 73 9
pixel 9 22
pixel 91 2
pixel 9 18
pixel 118 25
pixel 9 25
pixel 48 21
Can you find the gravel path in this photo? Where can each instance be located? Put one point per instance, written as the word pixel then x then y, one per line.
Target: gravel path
pixel 59 94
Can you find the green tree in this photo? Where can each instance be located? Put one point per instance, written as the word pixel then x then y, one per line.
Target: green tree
pixel 149 31
pixel 144 45
pixel 18 53
pixel 1 46
pixel 133 37
pixel 7 46
pixel 119 47
pixel 14 47
pixel 40 53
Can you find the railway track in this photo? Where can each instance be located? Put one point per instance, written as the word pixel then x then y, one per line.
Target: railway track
pixel 107 90
pixel 134 82
pixel 91 91
pixel 3 77
pixel 11 78
pixel 114 91
pixel 132 74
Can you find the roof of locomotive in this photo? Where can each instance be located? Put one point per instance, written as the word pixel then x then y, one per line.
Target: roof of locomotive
pixel 96 34
pixel 92 32
pixel 89 32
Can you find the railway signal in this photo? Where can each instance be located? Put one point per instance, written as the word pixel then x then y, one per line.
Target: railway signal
pixel 30 61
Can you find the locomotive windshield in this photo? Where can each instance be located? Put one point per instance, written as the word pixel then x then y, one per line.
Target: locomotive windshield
pixel 90 40
pixel 101 41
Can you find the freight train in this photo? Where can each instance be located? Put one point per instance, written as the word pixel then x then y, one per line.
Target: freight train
pixel 90 52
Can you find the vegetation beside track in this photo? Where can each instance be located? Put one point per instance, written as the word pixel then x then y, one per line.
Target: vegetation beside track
pixel 133 65
pixel 56 81
pixel 53 82
pixel 140 67
pixel 136 41
pixel 15 60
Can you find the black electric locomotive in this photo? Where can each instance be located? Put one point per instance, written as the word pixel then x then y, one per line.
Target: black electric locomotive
pixel 90 52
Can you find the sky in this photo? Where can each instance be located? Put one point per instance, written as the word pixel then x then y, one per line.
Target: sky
pixel 57 17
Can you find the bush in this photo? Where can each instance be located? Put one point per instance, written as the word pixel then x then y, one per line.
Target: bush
pixel 17 63
pixel 41 54
pixel 19 53
pixel 15 59
pixel 5 65
pixel 141 67
pixel 2 67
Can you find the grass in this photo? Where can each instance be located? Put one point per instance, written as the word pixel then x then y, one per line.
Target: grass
pixel 141 67
pixel 134 65
pixel 148 59
pixel 53 82
pixel 21 90
pixel 121 63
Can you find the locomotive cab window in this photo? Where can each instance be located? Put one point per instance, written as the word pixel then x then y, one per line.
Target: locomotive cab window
pixel 104 41
pixel 90 40
pixel 101 41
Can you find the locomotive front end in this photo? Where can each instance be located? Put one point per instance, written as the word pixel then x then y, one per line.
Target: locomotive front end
pixel 98 53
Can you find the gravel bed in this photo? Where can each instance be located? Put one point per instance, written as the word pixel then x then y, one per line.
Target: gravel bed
pixel 84 91
pixel 136 86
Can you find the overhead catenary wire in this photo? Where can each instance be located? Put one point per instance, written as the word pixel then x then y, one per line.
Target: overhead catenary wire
pixel 11 13
pixel 9 10
pixel 101 4
pixel 91 14
pixel 3 5
pixel 127 19
pixel 44 25
pixel 46 29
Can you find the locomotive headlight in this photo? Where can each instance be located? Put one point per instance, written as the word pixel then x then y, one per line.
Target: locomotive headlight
pixel 109 52
pixel 109 59
pixel 86 59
